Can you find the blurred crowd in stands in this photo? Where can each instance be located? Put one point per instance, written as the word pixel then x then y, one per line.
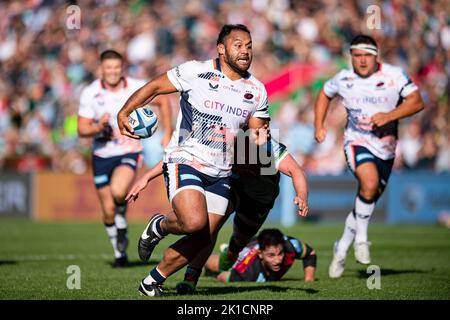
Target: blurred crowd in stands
pixel 44 65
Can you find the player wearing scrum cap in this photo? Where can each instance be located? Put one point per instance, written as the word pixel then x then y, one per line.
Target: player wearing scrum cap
pixel 376 95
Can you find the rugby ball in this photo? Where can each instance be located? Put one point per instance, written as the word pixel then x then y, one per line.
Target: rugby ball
pixel 143 121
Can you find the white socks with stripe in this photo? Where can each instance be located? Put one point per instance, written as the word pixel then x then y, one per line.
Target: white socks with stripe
pixel 363 211
pixel 356 225
pixel 120 221
pixel 348 236
pixel 111 230
pixel 120 210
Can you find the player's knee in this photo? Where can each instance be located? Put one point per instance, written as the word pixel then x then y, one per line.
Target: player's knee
pixel 369 188
pixel 108 209
pixel 108 217
pixel 193 225
pixel 118 194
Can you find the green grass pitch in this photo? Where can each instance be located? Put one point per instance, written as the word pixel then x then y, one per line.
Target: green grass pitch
pixel 34 257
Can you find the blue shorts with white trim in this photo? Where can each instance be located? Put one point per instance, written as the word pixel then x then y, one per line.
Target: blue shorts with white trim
pixel 357 155
pixel 104 167
pixel 181 176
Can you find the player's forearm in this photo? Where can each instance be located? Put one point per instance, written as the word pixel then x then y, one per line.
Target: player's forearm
pixel 88 129
pixel 159 85
pixel 291 168
pixel 137 99
pixel 154 172
pixel 321 109
pixel 413 104
pixel 166 115
pixel 309 273
pixel 300 184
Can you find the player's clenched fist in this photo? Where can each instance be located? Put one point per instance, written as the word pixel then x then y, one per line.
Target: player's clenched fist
pixel 105 129
pixel 380 119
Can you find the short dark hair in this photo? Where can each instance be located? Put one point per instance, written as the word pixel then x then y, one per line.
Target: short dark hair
pixel 363 39
pixel 270 237
pixel 110 54
pixel 226 30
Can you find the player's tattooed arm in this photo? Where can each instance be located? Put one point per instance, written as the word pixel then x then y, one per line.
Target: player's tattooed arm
pixel 157 86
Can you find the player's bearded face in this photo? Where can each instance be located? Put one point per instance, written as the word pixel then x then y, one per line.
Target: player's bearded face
pixel 111 70
pixel 272 257
pixel 364 63
pixel 238 51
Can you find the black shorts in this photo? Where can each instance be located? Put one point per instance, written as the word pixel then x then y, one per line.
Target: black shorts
pixel 252 200
pixel 104 167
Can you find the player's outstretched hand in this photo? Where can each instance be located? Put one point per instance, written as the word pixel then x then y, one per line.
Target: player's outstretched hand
pixel 320 134
pixel 380 119
pixel 137 187
pixel 302 206
pixel 124 126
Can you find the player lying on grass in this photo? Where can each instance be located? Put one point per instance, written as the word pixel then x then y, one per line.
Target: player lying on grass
pixel 253 195
pixel 267 258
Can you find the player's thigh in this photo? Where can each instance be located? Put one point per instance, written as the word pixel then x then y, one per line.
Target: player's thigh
pixel 218 193
pixel 121 180
pixel 189 205
pixel 106 200
pixel 367 175
pixel 363 165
